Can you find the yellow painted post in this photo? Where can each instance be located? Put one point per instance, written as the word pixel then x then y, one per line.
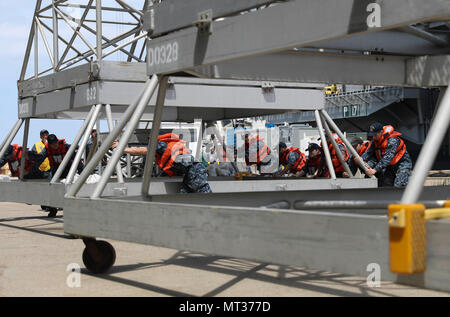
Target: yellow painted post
pixel 407 238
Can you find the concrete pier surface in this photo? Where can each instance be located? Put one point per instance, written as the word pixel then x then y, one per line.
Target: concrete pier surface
pixel 37 258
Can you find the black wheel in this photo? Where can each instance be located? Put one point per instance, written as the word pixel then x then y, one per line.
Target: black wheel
pixel 100 260
pixel 52 212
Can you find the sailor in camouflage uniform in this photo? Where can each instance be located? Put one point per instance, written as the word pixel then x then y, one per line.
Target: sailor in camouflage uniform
pixel 195 178
pixel 387 156
pixel 173 159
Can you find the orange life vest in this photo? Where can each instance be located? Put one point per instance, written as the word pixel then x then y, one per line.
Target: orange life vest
pixel 14 162
pixel 299 164
pixel 381 144
pixel 55 157
pixel 262 151
pixel 338 167
pixel 316 162
pixel 175 147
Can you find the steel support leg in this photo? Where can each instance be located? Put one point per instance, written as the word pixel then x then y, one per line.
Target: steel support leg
pixel 198 123
pixel 134 120
pixel 97 145
pixel 98 30
pixel 111 127
pixel 129 165
pixel 429 151
pixel 55 36
pixel 222 155
pixel 72 148
pixel 12 134
pixel 24 148
pixel 325 147
pixel 349 146
pixel 149 88
pixel 336 149
pixel 157 117
pixel 82 147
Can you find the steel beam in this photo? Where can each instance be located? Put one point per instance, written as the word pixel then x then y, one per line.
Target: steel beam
pixel 227 192
pixel 299 238
pixel 9 137
pixel 324 20
pixel 109 120
pixel 153 140
pixel 31 37
pixel 391 42
pixel 55 35
pixel 251 193
pixel 99 28
pixel 416 31
pixel 171 15
pixel 110 71
pixel 308 67
pixel 36 192
pixel 349 146
pixel 24 148
pixel 325 148
pixel 272 187
pixel 118 84
pixel 337 150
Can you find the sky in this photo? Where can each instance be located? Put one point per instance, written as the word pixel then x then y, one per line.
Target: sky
pixel 15 22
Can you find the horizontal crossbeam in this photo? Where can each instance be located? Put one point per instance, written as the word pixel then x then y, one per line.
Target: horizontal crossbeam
pixel 294 24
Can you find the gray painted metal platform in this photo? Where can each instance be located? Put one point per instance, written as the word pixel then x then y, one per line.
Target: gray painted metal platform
pixel 70 94
pixel 44 193
pixel 326 241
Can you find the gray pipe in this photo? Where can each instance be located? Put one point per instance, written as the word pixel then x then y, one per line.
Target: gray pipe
pixel 325 147
pixel 24 148
pixel 111 127
pixel 283 204
pixel 349 146
pixel 72 148
pixel 357 204
pixel 151 150
pixel 82 147
pixel 12 134
pixel 337 150
pixel 117 154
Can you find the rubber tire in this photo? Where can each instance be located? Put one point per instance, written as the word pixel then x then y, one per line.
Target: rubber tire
pixel 52 212
pixel 108 255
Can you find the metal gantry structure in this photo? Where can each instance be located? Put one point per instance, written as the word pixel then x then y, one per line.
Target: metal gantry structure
pixel 96 69
pixel 80 38
pixel 275 44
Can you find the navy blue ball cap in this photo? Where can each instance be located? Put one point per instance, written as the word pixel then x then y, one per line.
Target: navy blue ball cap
pixel 52 139
pixel 374 128
pixel 312 147
pixel 43 131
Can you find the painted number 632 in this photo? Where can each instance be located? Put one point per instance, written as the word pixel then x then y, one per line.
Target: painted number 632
pixel 91 94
